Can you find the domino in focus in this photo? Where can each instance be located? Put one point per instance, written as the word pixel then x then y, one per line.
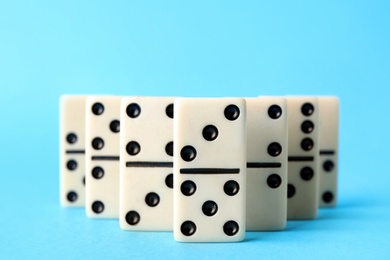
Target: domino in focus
pixel 209 169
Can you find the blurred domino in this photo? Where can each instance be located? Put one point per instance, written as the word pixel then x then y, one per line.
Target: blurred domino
pixel 72 151
pixel 209 169
pixel 102 156
pixel 146 181
pixel 303 153
pixel 328 170
pixel 266 164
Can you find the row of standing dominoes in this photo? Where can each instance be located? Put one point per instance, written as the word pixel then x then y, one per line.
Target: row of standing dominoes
pixel 239 164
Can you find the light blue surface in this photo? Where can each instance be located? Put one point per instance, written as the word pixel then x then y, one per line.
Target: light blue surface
pixel 203 48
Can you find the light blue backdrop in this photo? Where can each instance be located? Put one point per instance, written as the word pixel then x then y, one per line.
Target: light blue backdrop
pixel 197 48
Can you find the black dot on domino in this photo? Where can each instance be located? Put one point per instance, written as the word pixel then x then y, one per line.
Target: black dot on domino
pixel 169 148
pixel 97 172
pixel 84 180
pixel 188 153
pixel 328 166
pixel 132 218
pixel 307 127
pixel 133 148
pixel 115 126
pixel 98 207
pixel 307 144
pixel 274 149
pixel 169 111
pixel 290 191
pixel 274 181
pixel 327 197
pixel 152 199
pixel 209 208
pixel 169 180
pixel 231 188
pixel 133 110
pixel 307 109
pixel 71 138
pixel 188 188
pixel 71 196
pixel 188 228
pixel 275 111
pixel 307 173
pixel 210 133
pixel 97 109
pixel 97 143
pixel 71 165
pixel 232 112
pixel 230 228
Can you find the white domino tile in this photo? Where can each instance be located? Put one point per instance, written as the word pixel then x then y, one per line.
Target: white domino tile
pixel 209 169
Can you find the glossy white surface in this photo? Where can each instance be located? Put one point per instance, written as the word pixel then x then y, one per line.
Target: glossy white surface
pixel 72 121
pixel 152 129
pixel 103 190
pixel 304 203
pixel 227 151
pixel 329 132
pixel 266 205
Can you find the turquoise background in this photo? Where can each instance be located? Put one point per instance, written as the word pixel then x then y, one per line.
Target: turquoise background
pixel 191 48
